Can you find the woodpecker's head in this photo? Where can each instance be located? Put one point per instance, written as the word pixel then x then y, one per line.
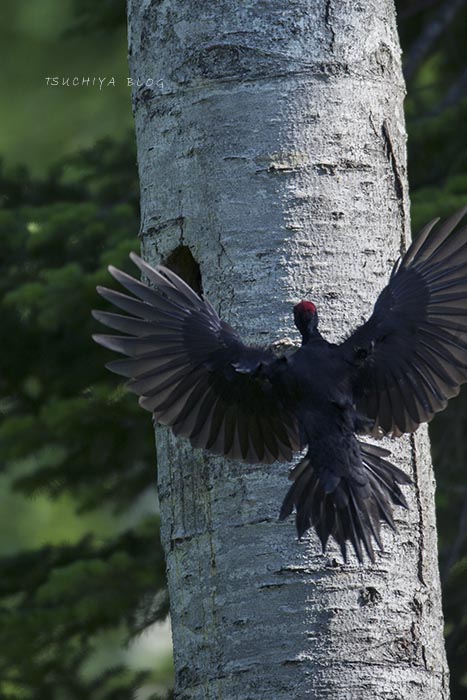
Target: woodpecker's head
pixel 305 317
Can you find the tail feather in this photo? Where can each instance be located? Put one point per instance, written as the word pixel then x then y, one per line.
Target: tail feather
pixel 354 509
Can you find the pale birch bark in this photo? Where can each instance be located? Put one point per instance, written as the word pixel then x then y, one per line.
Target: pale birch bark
pixel 273 147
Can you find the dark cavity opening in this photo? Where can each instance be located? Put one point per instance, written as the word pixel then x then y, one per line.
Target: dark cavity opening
pixel 182 262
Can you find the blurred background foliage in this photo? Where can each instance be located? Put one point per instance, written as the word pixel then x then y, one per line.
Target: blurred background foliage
pixel 82 589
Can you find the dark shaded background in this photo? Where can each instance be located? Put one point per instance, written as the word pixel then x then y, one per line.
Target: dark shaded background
pixel 82 586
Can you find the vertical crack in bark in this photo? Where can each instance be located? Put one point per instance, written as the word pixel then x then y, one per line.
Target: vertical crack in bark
pixel 421 541
pixel 212 630
pixel 181 220
pixel 223 253
pixel 328 23
pixel 425 660
pixel 398 182
pixel 172 494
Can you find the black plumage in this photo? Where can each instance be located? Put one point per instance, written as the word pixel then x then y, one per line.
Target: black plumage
pixel 396 371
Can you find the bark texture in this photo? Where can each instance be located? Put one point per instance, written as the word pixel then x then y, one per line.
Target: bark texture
pixel 271 144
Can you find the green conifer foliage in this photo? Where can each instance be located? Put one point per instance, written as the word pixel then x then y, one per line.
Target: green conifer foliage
pixel 69 429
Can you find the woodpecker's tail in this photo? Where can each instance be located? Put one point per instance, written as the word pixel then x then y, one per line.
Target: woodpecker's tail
pixel 348 508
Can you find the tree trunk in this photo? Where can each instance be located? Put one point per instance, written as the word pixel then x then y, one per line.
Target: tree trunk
pixel 271 145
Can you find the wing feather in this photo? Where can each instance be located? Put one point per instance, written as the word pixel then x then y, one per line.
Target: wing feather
pixel 410 357
pixel 192 370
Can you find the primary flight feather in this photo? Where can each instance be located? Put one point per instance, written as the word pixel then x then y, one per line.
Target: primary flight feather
pixel 394 372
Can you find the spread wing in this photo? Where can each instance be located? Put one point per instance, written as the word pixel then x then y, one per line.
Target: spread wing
pixel 410 357
pixel 193 372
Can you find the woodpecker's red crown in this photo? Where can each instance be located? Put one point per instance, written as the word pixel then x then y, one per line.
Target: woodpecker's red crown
pixel 305 308
pixel 305 317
